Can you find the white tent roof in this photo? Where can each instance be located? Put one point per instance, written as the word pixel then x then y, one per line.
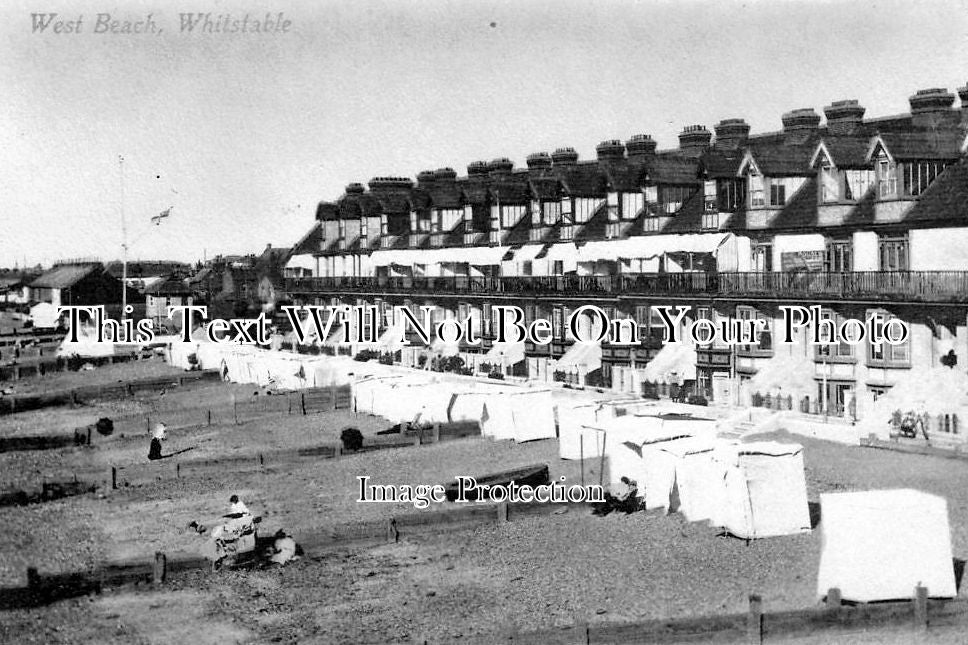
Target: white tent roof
pixel 302 261
pixel 881 544
pixel 651 246
pixel 511 353
pixel 586 354
pixel 791 373
pixel 562 251
pixel 480 256
pixel 673 359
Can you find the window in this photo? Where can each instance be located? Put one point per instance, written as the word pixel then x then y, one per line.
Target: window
pixel 777 193
pixel 893 253
pixel 829 184
pixel 585 208
pixel 650 224
pixel 744 314
pixel 656 325
pixel 342 229
pixel 566 211
pixel 918 175
pixel 709 196
pixel 363 230
pixel 731 194
pixel 841 349
pixel 536 213
pixel 882 354
pixel 652 195
pixel 710 220
pixel 756 188
pixel 642 316
pixel 552 213
pixel 886 177
pixel 511 215
pixel 858 182
pixel 839 256
pixel 673 197
pixel 558 267
pixel 762 260
pixel 632 204
pixel 877 391
pixel 613 207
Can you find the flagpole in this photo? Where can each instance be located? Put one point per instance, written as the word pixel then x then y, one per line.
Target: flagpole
pixel 124 246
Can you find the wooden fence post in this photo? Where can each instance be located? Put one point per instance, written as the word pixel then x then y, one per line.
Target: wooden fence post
pixel 33 578
pixel 436 433
pixel 209 417
pixel 114 478
pixel 502 512
pixel 754 620
pixel 393 534
pixel 235 411
pixel 332 396
pixel 920 608
pixel 338 450
pixel 178 470
pixel 89 435
pixel 833 598
pixel 302 399
pixel 160 569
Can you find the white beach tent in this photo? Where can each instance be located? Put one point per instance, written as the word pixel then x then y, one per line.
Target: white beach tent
pixel 534 414
pixel 577 438
pixel 696 489
pixel 765 490
pixel 881 544
pixel 86 346
pixel 623 440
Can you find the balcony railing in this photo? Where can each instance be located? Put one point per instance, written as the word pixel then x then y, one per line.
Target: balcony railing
pixel 888 286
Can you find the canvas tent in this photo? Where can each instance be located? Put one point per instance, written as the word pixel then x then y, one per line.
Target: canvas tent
pixel 690 480
pixel 623 440
pixel 881 544
pixel 765 490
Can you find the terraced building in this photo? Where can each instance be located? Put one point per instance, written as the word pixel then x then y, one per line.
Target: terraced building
pixel 855 214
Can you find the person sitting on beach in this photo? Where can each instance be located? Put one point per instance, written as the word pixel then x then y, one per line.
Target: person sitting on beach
pixel 283 548
pixel 237 506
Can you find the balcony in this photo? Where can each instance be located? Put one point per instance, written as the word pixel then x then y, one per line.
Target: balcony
pixel 867 286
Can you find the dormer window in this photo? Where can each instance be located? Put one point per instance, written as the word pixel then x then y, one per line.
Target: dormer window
pixel 829 184
pixel 632 204
pixel 886 177
pixel 757 197
pixel 777 194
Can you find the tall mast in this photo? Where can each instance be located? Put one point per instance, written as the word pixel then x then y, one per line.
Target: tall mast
pixel 124 245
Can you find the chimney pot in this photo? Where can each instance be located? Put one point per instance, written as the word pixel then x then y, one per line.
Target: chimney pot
pixel 477 168
pixel 731 133
pixel 611 150
pixel 640 145
pixel 845 116
pixel 539 160
pixel 355 188
pixel 694 139
pixel 563 156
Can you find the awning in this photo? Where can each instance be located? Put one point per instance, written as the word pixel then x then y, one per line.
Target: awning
pixel 391 340
pixel 675 363
pixel 563 251
pixel 585 355
pixel 506 353
pixel 646 247
pixel 527 253
pixel 481 256
pixel 443 348
pixel 302 261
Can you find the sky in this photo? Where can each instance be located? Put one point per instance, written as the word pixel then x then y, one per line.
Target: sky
pixel 241 135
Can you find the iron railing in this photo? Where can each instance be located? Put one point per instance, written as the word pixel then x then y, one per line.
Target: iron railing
pixel 889 286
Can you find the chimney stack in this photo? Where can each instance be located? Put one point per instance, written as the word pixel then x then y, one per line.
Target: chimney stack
pixel 539 160
pixel 355 188
pixel 501 166
pixel 442 175
pixel 731 134
pixel 844 117
pixel 611 150
pixel 640 145
pixel 425 179
pixel 564 156
pixel 694 139
pixel 477 169
pixel 932 107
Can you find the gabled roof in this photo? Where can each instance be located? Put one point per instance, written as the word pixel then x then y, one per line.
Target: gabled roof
pixel 65 275
pixel 668 169
pixel 511 189
pixel 475 189
pixel 170 286
pixel 585 179
pixel 721 163
pixel 446 194
pixel 842 152
pixel 940 145
pixel 545 185
pixel 327 211
pixel 310 242
pixel 627 175
pixel 774 157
